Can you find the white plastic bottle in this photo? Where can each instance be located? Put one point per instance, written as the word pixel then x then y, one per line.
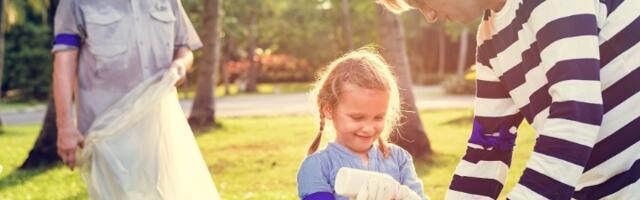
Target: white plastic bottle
pixel 349 181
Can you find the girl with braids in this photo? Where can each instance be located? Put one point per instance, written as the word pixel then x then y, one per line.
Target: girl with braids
pixel 358 94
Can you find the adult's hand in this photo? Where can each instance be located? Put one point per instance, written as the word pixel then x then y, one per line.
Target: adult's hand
pixel 181 69
pixel 69 139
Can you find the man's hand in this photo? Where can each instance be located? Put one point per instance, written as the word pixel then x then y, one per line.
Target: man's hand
pixel 182 61
pixel 181 69
pixel 69 139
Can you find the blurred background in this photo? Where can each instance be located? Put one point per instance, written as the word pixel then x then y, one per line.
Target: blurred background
pixel 246 96
pixel 287 41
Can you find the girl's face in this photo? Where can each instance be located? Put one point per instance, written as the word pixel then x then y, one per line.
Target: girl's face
pixel 463 11
pixel 359 117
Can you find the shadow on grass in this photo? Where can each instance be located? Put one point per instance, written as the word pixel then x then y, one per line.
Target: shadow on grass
pixel 202 130
pixel 436 160
pixel 18 177
pixel 81 195
pixel 461 120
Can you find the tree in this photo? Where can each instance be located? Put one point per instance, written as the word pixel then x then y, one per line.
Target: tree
pixel 442 47
pixel 462 57
pixel 410 135
pixel 252 73
pixel 346 24
pixel 1 50
pixel 203 111
pixel 44 151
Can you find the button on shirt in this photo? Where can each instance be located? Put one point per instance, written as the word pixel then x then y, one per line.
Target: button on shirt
pixel 121 43
pixel 318 171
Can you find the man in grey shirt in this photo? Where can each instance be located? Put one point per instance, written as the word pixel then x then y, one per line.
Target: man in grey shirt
pixel 103 49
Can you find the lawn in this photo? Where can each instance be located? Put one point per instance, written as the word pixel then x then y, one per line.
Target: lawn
pixel 254 157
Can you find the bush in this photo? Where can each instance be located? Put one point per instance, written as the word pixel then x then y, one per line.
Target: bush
pixel 458 85
pixel 429 79
pixel 27 67
pixel 272 68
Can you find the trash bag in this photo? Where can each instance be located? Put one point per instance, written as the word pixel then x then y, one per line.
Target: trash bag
pixel 142 148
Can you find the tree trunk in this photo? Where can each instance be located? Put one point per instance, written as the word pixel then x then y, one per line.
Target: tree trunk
pixel 227 55
pixel 441 51
pixel 225 76
pixel 203 110
pixel 44 151
pixel 346 24
pixel 2 30
pixel 252 73
pixel 410 134
pixel 462 57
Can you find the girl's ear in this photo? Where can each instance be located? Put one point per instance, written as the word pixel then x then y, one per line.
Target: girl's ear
pixel 327 112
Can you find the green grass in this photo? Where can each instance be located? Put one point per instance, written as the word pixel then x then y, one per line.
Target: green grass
pixel 255 157
pixel 262 88
pixel 55 183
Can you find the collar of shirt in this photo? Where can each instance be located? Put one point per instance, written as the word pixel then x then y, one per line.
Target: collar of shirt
pixel 344 151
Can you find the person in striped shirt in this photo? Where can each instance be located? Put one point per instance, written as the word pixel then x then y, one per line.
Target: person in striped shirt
pixel 571 69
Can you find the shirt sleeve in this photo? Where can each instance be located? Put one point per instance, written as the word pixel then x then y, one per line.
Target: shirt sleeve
pixel 483 169
pixel 408 173
pixel 68 27
pixel 312 182
pixel 186 34
pixel 567 36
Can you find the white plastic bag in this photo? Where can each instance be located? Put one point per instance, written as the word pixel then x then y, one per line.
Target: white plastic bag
pixel 142 148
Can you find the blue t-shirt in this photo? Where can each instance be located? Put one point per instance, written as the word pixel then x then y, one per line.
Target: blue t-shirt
pixel 317 174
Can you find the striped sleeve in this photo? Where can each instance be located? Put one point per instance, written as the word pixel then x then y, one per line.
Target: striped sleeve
pixel 482 172
pixel 566 35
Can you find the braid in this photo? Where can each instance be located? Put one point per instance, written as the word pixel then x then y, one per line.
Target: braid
pixel 316 141
pixel 383 147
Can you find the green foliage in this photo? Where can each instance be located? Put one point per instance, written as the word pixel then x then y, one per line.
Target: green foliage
pixel 17 11
pixel 308 29
pixel 28 61
pixel 258 157
pixel 27 70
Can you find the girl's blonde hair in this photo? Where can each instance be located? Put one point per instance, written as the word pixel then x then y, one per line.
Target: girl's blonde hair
pixel 397 6
pixel 364 68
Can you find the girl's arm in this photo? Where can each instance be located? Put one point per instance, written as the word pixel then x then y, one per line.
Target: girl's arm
pixel 408 174
pixel 313 183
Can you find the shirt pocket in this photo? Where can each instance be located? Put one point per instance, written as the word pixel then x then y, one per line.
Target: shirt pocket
pixel 109 57
pixel 105 26
pixel 163 23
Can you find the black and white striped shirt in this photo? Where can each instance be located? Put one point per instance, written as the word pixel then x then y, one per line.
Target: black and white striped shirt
pixel 571 68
